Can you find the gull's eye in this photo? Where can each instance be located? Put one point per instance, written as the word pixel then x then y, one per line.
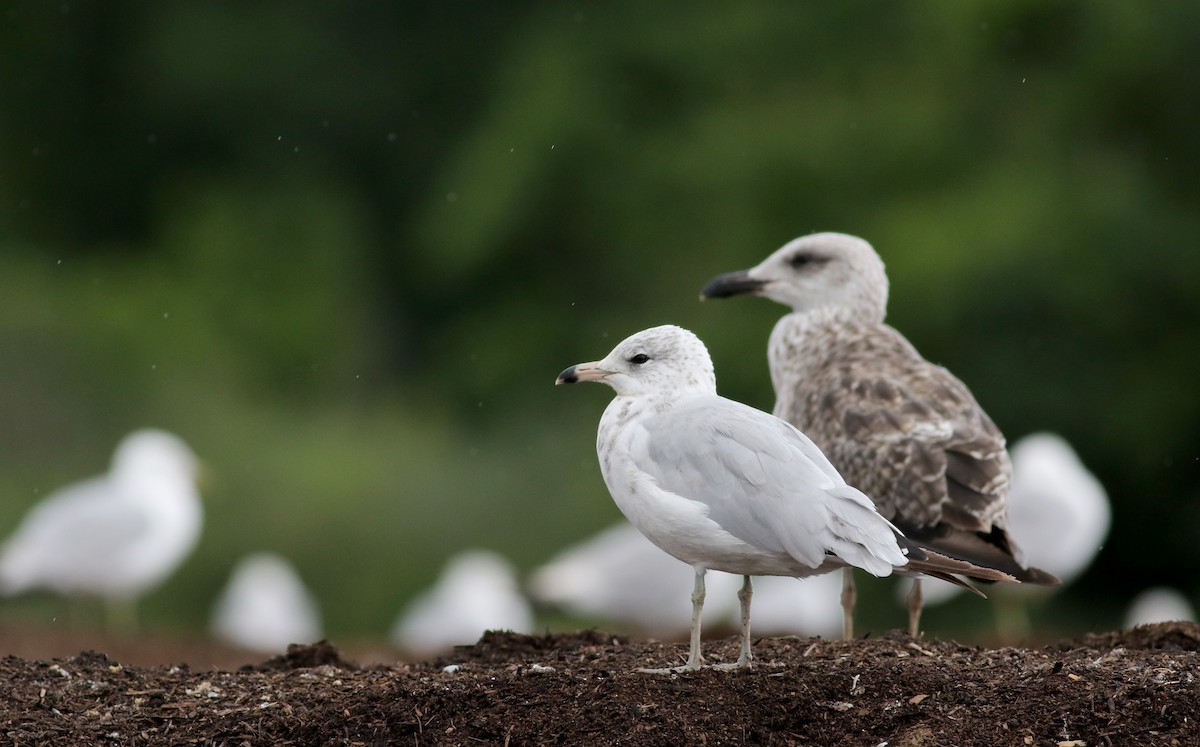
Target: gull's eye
pixel 802 259
pixel 639 359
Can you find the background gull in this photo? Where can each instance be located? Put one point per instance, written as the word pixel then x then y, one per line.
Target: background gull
pixel 722 486
pixel 1157 605
pixel 265 606
pixel 620 577
pixel 477 591
pixel 805 606
pixel 116 536
pixel 902 430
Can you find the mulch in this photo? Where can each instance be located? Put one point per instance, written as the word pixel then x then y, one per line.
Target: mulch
pixel 1136 687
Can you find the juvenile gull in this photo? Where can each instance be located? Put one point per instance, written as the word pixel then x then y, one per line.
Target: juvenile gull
pixel 722 486
pixel 902 430
pixel 115 536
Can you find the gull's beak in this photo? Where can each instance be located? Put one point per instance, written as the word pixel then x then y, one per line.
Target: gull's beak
pixel 582 372
pixel 731 284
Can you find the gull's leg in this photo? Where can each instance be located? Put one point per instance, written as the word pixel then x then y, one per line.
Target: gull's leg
pixel 915 600
pixel 849 596
pixel 744 596
pixel 695 660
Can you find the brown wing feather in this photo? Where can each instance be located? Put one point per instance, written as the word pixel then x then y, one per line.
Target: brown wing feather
pixel 910 435
pixel 906 432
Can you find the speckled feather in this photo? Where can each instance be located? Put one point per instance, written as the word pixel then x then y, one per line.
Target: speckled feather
pixel 903 430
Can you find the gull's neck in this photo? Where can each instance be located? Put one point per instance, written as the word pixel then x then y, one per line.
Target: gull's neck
pixel 803 341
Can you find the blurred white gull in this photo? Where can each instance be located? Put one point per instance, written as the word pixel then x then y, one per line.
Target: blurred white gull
pixel 116 536
pixel 620 577
pixel 722 486
pixel 1159 604
pixel 265 606
pixel 476 592
pixel 903 430
pixel 1059 513
pixel 804 606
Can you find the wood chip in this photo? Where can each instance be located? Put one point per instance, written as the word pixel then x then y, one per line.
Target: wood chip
pixel 917 698
pixel 925 651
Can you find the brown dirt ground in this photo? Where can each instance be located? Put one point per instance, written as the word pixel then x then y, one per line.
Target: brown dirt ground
pixel 1137 687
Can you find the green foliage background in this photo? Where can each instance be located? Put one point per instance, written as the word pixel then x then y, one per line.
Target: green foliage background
pixel 343 250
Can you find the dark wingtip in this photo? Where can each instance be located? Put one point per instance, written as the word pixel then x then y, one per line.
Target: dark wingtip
pixel 1038 577
pixel 730 284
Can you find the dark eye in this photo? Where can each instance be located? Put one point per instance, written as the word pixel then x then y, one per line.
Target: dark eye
pixel 802 259
pixel 639 359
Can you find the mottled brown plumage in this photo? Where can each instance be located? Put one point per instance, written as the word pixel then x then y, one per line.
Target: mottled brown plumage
pixel 903 430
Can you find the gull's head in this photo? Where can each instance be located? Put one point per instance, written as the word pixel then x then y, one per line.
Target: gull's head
pixel 151 451
pixel 666 359
pixel 818 271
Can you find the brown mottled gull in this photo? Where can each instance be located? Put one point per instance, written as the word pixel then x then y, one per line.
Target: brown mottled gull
pixel 723 486
pixel 904 431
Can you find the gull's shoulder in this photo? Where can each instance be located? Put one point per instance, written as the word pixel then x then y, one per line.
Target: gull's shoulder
pixel 724 431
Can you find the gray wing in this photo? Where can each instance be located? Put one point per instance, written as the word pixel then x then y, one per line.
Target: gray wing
pixel 766 483
pixel 909 434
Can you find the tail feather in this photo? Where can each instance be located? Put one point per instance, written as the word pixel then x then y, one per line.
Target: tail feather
pixel 932 563
pixel 986 550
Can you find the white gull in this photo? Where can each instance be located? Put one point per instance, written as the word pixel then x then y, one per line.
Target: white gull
pixel 722 486
pixel 476 592
pixel 620 577
pixel 265 606
pixel 1159 604
pixel 116 536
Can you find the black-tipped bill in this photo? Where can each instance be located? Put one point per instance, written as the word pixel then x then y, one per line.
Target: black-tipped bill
pixel 731 284
pixel 567 376
pixel 581 372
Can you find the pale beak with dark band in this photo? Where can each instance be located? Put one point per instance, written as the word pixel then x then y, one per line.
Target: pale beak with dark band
pixel 731 284
pixel 582 372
